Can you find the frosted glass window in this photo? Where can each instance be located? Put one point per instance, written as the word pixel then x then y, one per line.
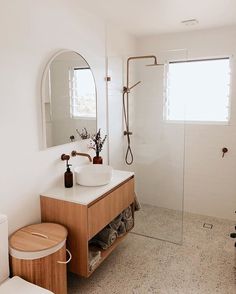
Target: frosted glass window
pixel 198 90
pixel 83 94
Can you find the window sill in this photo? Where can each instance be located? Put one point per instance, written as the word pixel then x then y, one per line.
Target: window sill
pixel 190 122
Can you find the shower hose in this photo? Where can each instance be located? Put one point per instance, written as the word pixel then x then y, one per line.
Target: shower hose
pixel 129 158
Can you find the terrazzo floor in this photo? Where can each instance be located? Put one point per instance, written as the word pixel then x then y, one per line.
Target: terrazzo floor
pixel 160 223
pixel 204 264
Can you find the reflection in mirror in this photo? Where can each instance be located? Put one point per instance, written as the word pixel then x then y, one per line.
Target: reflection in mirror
pixel 69 99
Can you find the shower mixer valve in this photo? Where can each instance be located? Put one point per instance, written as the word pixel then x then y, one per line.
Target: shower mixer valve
pixel 127 133
pixel 126 90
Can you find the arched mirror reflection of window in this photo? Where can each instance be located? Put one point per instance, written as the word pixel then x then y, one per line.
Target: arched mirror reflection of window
pixel 69 99
pixel 83 104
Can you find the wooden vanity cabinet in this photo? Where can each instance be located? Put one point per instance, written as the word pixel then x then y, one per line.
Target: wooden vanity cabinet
pixel 85 221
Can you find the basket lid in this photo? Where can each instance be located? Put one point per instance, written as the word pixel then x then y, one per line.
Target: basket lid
pixel 38 237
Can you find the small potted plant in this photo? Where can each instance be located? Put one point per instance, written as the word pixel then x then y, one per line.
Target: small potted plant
pixel 97 145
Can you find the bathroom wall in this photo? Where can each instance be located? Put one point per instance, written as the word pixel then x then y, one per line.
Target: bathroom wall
pixel 30 33
pixel 120 45
pixel 158 146
pixel 210 185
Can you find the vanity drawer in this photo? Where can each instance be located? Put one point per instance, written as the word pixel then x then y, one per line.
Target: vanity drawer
pixel 103 211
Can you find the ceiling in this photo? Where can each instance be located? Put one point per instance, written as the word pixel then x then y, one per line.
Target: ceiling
pixel 147 17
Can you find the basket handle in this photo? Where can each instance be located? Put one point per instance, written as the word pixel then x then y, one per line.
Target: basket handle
pixel 40 235
pixel 65 262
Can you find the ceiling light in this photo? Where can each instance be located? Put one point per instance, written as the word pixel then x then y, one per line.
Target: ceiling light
pixel 190 22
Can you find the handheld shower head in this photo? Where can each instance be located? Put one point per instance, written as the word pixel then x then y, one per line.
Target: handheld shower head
pixel 127 90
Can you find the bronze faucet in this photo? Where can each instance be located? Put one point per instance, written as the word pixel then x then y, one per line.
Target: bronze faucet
pixel 74 153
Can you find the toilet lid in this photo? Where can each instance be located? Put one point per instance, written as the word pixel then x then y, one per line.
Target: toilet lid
pixel 20 286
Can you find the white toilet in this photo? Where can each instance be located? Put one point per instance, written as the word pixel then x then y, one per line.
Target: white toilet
pixel 15 284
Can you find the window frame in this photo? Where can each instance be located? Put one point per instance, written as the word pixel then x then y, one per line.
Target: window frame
pixel 200 122
pixel 82 117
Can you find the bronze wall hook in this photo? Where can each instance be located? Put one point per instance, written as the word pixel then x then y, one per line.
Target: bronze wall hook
pixel 224 150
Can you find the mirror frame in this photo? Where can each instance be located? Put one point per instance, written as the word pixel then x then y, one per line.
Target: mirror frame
pixel 43 97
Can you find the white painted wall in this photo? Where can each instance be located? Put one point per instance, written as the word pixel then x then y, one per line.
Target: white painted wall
pixel 30 33
pixel 210 186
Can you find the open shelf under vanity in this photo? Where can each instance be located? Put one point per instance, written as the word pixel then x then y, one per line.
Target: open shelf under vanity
pixel 105 253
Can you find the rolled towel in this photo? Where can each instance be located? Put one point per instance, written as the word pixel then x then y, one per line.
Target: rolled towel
pixel 127 213
pixel 122 229
pixel 129 223
pixel 115 224
pixel 94 258
pixel 137 205
pixel 99 243
pixel 106 237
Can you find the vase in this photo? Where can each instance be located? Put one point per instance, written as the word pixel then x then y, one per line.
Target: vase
pixel 97 160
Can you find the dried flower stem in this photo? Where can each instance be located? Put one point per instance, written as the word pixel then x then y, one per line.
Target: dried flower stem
pixel 98 142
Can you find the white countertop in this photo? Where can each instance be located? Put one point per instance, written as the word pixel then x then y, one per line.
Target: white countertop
pixel 85 195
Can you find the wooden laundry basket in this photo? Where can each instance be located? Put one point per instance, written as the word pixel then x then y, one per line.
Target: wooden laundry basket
pixel 38 255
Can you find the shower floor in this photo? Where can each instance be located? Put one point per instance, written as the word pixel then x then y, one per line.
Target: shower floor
pixel 160 223
pixel 203 264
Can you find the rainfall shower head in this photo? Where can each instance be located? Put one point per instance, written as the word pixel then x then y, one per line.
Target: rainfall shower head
pixel 127 88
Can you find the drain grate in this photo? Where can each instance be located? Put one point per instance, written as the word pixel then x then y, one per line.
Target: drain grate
pixel 207 226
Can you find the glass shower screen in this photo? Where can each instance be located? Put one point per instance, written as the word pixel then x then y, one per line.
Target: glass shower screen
pixel 158 147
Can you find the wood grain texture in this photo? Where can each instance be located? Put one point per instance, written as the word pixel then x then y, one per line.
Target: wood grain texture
pixel 38 237
pixel 83 222
pixel 44 272
pixel 74 217
pixel 105 210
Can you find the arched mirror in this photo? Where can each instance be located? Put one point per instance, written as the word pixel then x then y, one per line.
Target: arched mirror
pixel 69 99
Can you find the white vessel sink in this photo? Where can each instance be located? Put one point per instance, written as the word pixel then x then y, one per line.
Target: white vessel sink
pixel 93 175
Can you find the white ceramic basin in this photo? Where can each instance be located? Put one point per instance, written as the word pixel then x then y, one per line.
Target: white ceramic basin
pixel 93 175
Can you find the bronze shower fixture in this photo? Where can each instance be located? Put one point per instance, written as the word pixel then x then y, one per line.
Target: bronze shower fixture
pixel 126 90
